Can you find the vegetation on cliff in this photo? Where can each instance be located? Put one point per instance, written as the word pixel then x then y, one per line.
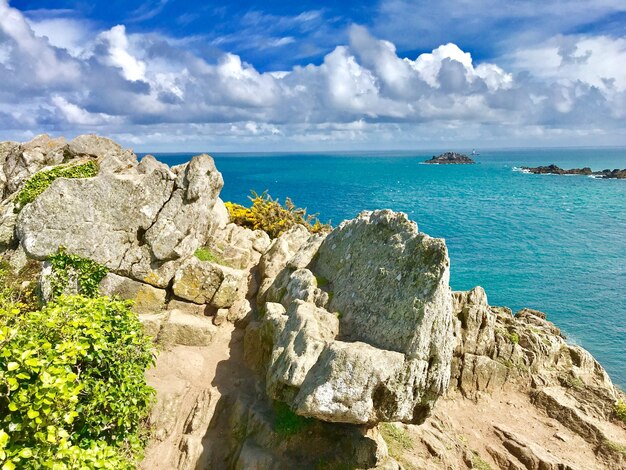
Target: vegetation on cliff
pixel 38 183
pixel 274 218
pixel 72 387
pixel 85 272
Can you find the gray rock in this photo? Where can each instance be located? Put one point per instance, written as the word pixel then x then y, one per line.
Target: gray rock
pixel 8 221
pixel 387 283
pixel 140 223
pixel 186 330
pixel 146 298
pixel 204 282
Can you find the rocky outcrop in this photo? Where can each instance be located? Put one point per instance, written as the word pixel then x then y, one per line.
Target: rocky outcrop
pixel 450 158
pixel 586 171
pixel 297 351
pixel 366 333
pixel 141 222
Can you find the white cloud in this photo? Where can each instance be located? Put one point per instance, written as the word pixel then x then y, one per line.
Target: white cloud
pixel 362 94
pixel 119 55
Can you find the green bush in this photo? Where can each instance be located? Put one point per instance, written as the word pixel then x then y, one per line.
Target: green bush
pixel 87 273
pixel 72 387
pixel 38 183
pixel 269 215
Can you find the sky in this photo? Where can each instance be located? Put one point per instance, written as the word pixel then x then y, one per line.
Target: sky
pixel 189 75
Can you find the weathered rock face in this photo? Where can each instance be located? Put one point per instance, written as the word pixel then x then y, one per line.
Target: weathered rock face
pixel 367 332
pixel 203 282
pixel 140 222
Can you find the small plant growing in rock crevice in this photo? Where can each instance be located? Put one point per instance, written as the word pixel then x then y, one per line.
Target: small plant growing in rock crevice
pixel 397 439
pixel 274 218
pixel 205 254
pixel 620 411
pixel 40 181
pixel 86 272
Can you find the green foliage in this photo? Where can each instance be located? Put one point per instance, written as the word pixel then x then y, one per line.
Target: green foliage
pixel 478 463
pixel 321 281
pixel 269 215
pixel 512 336
pixel 620 411
pixel 19 288
pixel 72 387
pixel 615 447
pixel 38 183
pixel 205 254
pixel 286 422
pixel 86 272
pixel 397 439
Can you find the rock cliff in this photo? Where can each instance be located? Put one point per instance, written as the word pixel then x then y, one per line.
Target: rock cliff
pixel 339 350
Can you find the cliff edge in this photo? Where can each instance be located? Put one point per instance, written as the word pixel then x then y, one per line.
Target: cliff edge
pixel 345 349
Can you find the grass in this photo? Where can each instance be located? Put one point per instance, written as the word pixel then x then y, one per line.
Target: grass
pixel 205 254
pixel 615 447
pixel 288 423
pixel 397 439
pixel 478 463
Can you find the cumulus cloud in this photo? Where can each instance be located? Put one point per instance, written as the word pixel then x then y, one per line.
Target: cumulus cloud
pixel 149 89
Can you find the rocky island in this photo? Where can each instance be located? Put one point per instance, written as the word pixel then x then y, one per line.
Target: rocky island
pixel 450 158
pixel 312 349
pixel 586 171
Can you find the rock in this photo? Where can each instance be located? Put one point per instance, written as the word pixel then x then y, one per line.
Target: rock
pixel 450 158
pixel 586 171
pixel 23 161
pixel 220 317
pixel 111 156
pixel 220 218
pixel 390 357
pixel 197 281
pixel 139 225
pixel 8 221
pixel 152 323
pixel 188 307
pixel 147 299
pixel 186 330
pixel 206 282
pixel 239 311
pixel 48 281
pixel 281 250
pixel 529 454
pixel 307 331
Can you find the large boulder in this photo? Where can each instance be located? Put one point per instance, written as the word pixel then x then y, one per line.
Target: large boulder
pixel 367 331
pixel 140 222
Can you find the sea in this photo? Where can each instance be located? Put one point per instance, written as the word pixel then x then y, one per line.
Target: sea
pixel 552 243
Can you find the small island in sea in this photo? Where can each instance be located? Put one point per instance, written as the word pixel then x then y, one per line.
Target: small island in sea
pixel 450 158
pixel 586 171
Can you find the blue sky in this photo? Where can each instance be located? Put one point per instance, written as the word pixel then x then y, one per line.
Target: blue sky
pixel 191 75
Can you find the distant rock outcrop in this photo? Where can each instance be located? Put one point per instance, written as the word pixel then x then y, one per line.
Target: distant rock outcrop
pixel 450 158
pixel 586 171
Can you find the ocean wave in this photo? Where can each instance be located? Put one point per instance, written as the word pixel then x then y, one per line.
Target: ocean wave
pixel 521 170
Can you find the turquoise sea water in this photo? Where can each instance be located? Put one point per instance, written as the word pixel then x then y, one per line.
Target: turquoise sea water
pixel 554 243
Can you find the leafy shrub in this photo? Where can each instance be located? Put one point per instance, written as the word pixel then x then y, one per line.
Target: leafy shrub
pixel 86 272
pixel 72 387
pixel 269 215
pixel 38 183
